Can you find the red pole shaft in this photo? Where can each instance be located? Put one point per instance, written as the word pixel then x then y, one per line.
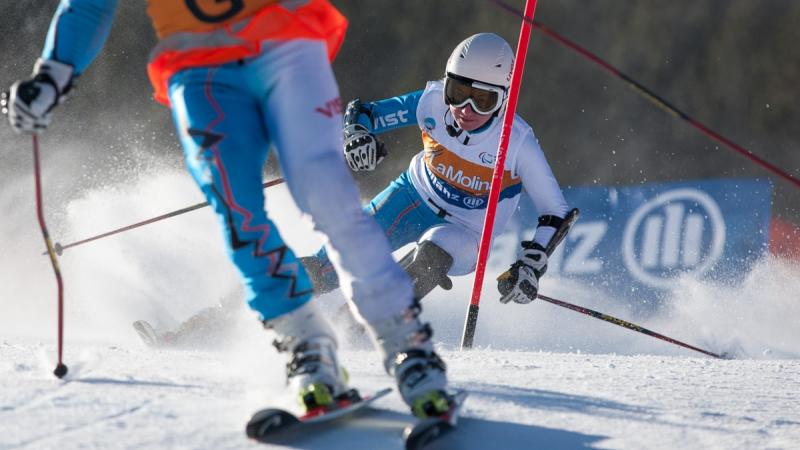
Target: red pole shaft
pixel 60 248
pixel 497 177
pixel 60 367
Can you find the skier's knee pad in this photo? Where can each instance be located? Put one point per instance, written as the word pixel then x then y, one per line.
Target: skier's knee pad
pixel 322 283
pixel 427 265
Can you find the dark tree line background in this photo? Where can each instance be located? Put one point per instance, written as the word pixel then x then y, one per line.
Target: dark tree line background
pixel 734 65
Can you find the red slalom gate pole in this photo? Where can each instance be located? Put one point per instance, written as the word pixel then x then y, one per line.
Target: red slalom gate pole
pixel 60 369
pixel 497 177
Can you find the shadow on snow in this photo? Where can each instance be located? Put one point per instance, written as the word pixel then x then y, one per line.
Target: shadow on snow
pixel 375 428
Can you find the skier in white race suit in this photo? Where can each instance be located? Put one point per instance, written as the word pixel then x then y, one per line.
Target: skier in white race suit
pixel 440 202
pixel 240 75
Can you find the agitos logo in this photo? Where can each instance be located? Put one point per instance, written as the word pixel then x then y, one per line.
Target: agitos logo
pixel 678 232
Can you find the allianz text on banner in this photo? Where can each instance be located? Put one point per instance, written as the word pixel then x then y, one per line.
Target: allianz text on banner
pixel 633 242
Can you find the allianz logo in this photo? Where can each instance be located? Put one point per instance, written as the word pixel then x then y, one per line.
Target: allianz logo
pixel 678 232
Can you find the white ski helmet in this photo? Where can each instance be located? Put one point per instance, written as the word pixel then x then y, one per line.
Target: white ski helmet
pixel 484 57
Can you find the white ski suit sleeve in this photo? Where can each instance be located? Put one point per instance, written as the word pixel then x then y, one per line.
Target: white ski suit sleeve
pixel 541 185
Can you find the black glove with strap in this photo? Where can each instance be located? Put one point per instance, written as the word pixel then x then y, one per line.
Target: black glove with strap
pixel 521 282
pixel 362 149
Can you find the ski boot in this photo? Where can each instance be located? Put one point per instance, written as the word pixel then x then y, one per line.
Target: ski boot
pixel 313 371
pixel 408 355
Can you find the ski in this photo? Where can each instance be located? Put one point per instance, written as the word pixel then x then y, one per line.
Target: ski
pixel 425 431
pixel 148 334
pixel 272 424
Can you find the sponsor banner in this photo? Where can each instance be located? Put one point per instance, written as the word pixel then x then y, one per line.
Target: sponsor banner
pixel 634 241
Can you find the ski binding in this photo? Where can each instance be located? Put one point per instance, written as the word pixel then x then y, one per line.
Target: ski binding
pixel 425 431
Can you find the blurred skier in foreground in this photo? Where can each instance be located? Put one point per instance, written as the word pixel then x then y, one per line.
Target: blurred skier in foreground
pixel 440 202
pixel 239 76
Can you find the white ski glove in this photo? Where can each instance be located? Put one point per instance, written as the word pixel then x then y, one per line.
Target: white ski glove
pixel 29 103
pixel 362 150
pixel 521 282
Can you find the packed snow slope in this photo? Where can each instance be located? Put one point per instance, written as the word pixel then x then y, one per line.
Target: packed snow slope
pixel 541 377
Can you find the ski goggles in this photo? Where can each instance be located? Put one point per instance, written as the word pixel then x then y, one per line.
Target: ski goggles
pixel 484 98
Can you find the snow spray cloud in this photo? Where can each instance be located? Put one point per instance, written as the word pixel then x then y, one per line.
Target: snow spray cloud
pixel 166 271
pixel 25 278
pixel 27 284
pixel 163 272
pixel 760 318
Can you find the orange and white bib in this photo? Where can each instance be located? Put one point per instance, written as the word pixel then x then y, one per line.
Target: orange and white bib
pixel 197 33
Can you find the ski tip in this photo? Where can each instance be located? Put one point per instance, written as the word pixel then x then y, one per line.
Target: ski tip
pixel 379 394
pixel 269 421
pixel 421 434
pixel 459 395
pixel 147 333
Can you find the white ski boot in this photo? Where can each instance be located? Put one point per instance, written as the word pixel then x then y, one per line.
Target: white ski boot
pixel 409 356
pixel 313 370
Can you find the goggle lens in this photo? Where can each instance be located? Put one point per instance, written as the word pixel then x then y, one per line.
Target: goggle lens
pixel 459 92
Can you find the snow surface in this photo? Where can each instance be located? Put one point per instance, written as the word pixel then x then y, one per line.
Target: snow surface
pixel 541 377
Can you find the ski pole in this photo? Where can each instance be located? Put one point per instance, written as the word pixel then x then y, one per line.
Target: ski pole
pixel 61 368
pixel 629 325
pixel 60 248
pixel 471 320
pixel 652 96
